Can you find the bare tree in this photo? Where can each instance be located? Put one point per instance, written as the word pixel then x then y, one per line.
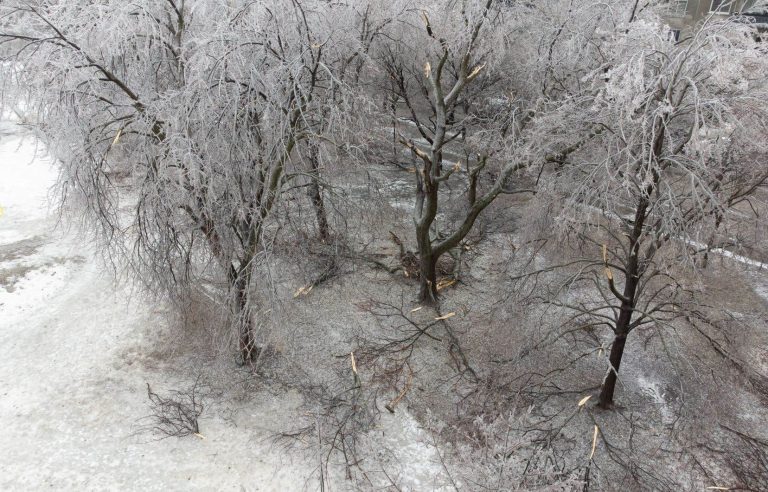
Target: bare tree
pixel 452 63
pixel 466 82
pixel 679 150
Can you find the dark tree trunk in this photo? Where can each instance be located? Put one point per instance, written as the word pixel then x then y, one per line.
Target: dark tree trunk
pixel 617 348
pixel 472 191
pixel 246 341
pixel 428 279
pixel 427 258
pixel 316 195
pixel 623 327
pixel 609 384
pixel 634 270
pixel 425 212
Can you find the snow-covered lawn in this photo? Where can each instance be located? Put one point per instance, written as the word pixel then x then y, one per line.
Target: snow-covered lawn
pixel 72 385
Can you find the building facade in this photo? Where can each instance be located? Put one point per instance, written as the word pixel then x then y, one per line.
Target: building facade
pixel 684 15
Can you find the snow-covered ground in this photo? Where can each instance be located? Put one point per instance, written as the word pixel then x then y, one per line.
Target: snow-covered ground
pixel 72 381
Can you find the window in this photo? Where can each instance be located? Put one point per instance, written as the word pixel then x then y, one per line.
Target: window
pixel 677 8
pixel 721 6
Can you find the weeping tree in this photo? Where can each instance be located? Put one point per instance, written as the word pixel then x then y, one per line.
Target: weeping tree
pixel 201 105
pixel 684 126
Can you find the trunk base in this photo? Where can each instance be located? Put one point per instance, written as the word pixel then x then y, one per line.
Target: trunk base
pixel 248 355
pixel 428 293
pixel 248 350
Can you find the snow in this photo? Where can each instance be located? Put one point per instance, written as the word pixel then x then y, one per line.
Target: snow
pixel 25 178
pixel 655 390
pixel 762 290
pixel 729 254
pixel 72 381
pixel 417 461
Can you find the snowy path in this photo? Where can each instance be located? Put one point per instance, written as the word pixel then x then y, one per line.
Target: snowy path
pixel 70 388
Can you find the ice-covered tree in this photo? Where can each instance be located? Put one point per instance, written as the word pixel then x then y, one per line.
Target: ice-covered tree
pixel 682 143
pixel 202 104
pixel 464 81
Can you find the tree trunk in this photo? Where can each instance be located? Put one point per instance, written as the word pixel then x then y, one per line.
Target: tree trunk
pixel 393 108
pixel 609 384
pixel 316 195
pixel 247 345
pixel 634 270
pixel 427 188
pixel 427 257
pixel 428 278
pixel 623 327
pixel 246 341
pixel 472 190
pixel 617 348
